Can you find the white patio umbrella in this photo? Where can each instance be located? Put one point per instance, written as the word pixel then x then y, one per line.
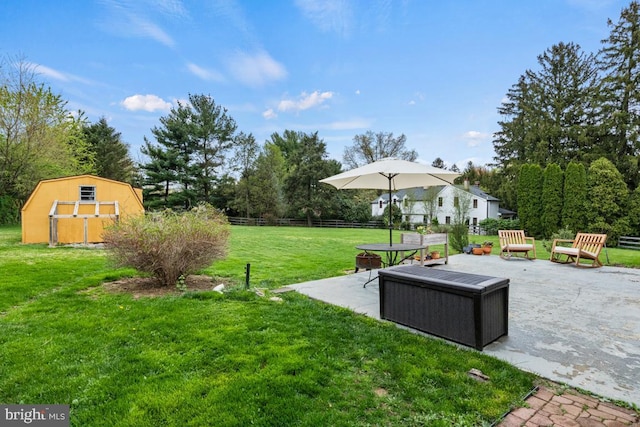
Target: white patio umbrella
pixel 392 174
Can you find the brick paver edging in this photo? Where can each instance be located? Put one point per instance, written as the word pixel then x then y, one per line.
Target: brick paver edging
pixel 569 409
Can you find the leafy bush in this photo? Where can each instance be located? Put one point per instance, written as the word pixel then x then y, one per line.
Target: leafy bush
pixel 459 236
pixel 9 210
pixel 492 225
pixel 168 245
pixel 563 233
pixel 396 215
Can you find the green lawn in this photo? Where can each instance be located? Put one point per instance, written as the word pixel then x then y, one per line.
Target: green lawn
pixel 232 359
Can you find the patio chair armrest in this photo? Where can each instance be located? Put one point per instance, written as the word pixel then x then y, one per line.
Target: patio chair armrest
pixel 555 241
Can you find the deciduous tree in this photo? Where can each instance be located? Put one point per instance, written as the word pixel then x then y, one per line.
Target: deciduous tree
pixel 369 147
pixel 39 137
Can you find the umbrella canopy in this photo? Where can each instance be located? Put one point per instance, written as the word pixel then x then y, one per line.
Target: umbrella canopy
pixel 391 174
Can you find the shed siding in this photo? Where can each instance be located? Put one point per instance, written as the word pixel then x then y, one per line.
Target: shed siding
pixel 35 213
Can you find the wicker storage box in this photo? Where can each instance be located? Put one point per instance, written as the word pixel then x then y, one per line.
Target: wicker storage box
pixel 469 309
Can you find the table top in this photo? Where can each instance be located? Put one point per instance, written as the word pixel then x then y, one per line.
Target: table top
pixel 385 247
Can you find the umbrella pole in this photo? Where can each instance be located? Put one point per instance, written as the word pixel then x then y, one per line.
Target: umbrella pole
pixel 390 215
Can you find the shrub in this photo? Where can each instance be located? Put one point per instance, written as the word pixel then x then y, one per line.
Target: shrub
pixel 563 233
pixel 492 225
pixel 459 236
pixel 168 245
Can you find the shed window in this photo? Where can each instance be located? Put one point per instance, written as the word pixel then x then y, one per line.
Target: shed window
pixel 87 193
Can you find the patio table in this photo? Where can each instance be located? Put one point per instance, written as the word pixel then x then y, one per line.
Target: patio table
pixel 394 254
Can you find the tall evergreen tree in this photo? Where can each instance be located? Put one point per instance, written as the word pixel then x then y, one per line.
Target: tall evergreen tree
pixel 548 113
pixel 551 200
pixel 530 182
pixel 620 119
pixel 110 153
pixel 160 176
pixel 212 137
pixel 308 164
pixel 193 140
pixel 574 197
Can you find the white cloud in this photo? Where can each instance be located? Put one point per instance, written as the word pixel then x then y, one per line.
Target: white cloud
pixel 57 75
pixel 146 102
pixel 51 73
pixel 146 28
pixel 205 74
pixel 417 97
pixel 256 70
pixel 357 91
pixel 269 114
pixel 129 19
pixel 349 124
pixel 304 101
pixel 474 137
pixel 352 124
pixel 328 15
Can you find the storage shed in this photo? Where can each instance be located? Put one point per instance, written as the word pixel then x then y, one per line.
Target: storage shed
pixel 75 209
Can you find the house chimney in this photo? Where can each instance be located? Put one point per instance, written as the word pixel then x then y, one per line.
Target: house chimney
pixel 466 184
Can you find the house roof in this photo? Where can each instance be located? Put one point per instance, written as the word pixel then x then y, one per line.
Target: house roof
pixel 419 192
pixel 44 182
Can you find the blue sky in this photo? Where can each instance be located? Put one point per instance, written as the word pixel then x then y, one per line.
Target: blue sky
pixel 435 71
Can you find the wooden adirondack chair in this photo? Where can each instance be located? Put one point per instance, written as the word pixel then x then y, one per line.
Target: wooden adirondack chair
pixel 584 247
pixel 513 242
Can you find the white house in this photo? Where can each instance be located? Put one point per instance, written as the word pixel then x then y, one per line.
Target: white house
pixel 420 205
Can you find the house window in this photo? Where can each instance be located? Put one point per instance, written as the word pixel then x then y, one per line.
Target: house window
pixel 456 202
pixel 447 220
pixel 87 193
pixel 475 203
pixel 475 221
pixel 405 202
pixel 395 201
pixel 440 202
pixel 380 204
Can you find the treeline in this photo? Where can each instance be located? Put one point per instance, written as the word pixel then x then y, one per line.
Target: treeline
pixel 575 110
pixel 199 157
pixel 41 139
pixel 576 107
pixel 596 200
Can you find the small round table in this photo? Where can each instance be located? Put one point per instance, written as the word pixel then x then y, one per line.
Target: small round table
pixel 393 252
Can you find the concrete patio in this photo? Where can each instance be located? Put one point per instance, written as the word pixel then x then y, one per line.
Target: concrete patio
pixel 572 325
